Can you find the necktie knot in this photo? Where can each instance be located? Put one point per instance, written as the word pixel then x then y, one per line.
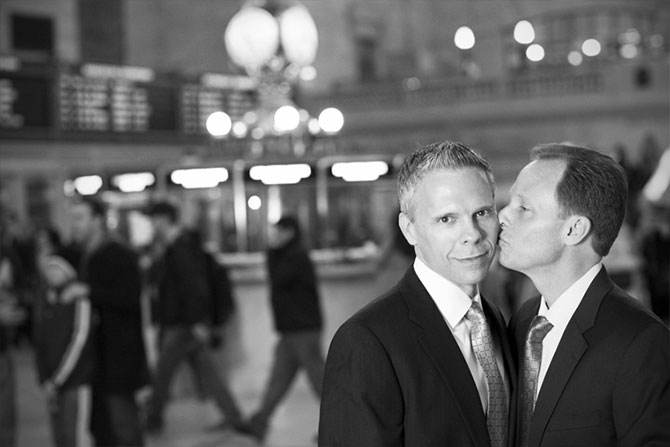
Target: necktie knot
pixel 475 313
pixel 539 328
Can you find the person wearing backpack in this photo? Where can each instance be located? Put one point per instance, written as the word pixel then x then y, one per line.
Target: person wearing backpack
pixel 185 318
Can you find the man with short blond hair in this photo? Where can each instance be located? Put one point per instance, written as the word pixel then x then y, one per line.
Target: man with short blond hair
pixel 428 363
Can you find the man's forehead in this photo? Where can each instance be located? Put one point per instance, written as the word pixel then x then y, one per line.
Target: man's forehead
pixel 540 172
pixel 549 165
pixel 434 174
pixel 537 182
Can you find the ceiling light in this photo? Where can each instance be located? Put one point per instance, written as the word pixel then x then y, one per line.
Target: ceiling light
pixel 360 171
pixel 199 177
pixel 280 174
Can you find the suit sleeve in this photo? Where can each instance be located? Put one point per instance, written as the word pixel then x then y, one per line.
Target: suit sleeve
pixel 641 401
pixel 362 402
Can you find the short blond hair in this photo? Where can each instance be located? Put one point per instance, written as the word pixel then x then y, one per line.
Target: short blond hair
pixel 432 157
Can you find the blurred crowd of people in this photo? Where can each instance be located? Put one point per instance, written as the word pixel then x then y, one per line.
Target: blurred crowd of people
pixel 85 307
pixel 81 311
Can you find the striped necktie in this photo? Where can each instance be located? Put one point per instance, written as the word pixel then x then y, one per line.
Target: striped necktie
pixel 532 359
pixel 482 345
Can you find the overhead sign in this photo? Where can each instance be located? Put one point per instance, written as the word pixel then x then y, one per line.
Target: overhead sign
pixel 98 98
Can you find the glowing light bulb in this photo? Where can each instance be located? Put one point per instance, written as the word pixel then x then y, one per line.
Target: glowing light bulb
pixel 591 47
pixel 218 124
pixel 524 33
pixel 535 52
pixel 331 120
pixel 464 38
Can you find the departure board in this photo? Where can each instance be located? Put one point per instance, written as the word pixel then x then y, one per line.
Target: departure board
pixel 115 105
pixel 199 101
pixel 25 101
pixel 95 99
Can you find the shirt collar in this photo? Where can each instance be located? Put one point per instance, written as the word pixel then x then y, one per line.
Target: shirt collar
pixel 452 302
pixel 566 304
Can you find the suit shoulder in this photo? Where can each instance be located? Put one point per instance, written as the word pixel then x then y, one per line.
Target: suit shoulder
pixel 381 308
pixel 626 312
pixel 377 316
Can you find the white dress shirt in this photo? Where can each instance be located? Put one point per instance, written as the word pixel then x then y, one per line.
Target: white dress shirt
pixel 559 316
pixel 453 304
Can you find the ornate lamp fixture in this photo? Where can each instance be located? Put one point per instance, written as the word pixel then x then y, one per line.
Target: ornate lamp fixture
pixel 271 41
pixel 276 43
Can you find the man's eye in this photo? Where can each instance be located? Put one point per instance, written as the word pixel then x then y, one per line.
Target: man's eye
pixel 446 219
pixel 483 213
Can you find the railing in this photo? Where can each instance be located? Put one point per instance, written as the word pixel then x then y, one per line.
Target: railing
pixel 460 91
pixel 579 84
pixel 329 262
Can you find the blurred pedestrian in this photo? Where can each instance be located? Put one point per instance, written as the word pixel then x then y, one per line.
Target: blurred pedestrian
pixel 656 254
pixel 185 318
pixel 63 348
pixel 297 316
pixel 222 307
pixel 110 275
pixel 16 236
pixel 10 317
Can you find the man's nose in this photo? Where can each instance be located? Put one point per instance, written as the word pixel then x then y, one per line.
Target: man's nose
pixel 502 217
pixel 472 232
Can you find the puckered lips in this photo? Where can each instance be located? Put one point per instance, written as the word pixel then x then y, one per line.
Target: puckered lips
pixel 501 241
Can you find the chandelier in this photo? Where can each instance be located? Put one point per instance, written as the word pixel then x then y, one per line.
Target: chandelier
pixel 275 42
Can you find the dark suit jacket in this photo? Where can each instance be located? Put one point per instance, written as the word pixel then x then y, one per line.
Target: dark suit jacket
pixel 609 381
pixel 395 376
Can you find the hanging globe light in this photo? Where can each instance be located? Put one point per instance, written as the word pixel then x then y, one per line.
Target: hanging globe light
pixel 524 33
pixel 252 37
pixel 464 38
pixel 298 35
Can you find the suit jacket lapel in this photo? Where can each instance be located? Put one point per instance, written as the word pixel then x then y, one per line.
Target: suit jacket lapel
pixel 570 350
pixel 440 345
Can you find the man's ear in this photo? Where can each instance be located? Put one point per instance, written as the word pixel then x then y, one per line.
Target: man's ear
pixel 407 228
pixel 576 229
